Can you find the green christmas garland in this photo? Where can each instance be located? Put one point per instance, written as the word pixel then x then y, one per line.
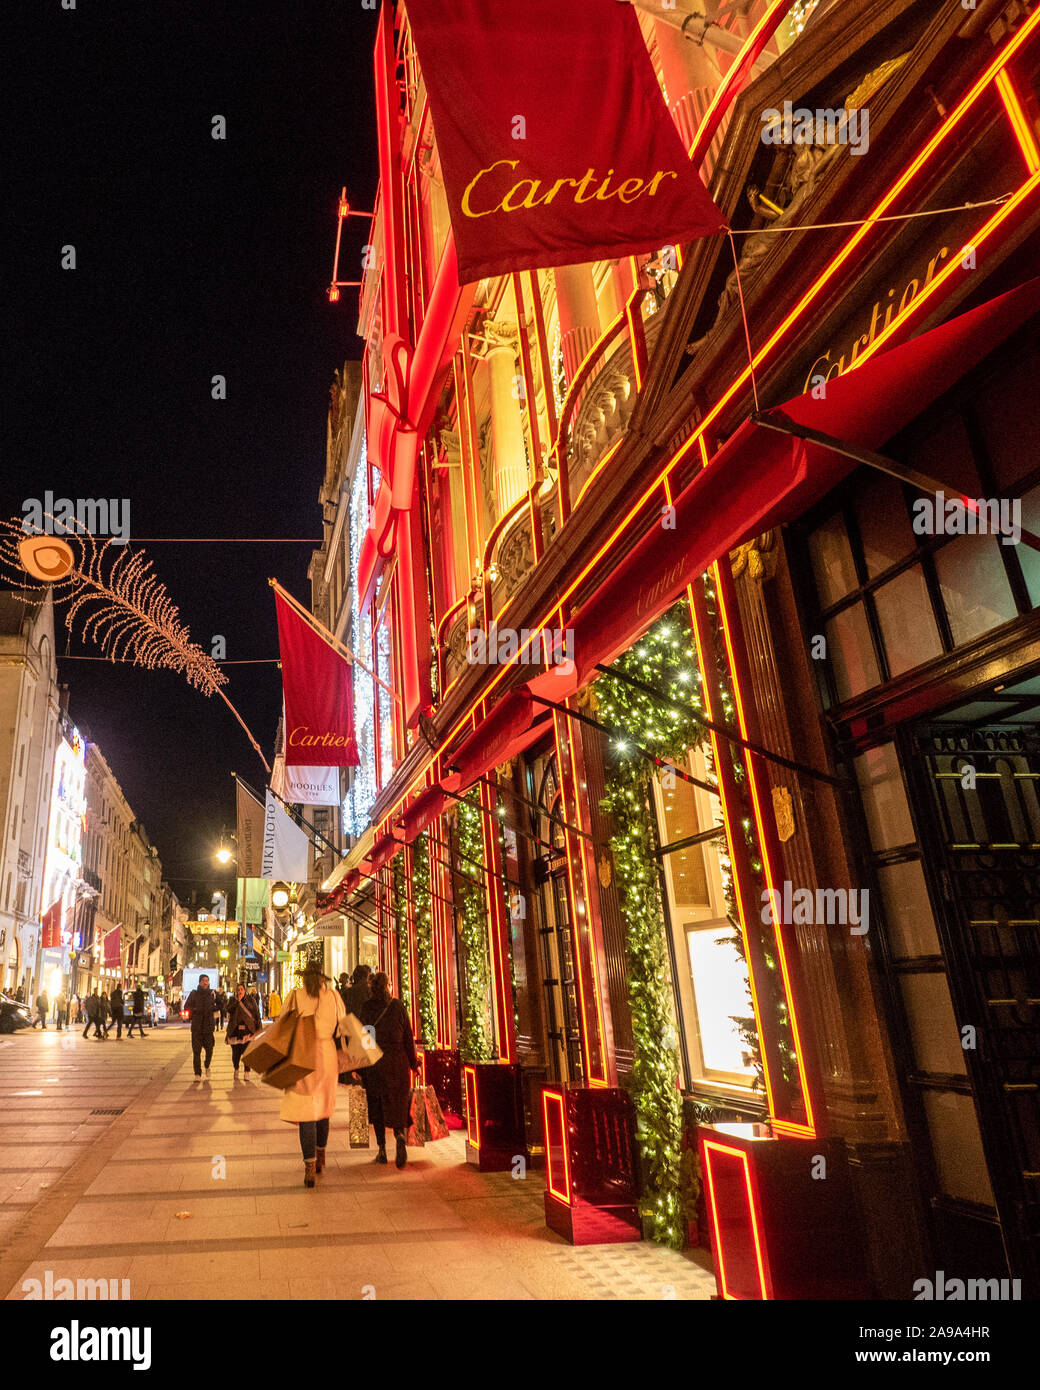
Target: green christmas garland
pixel 401 929
pixel 424 939
pixel 666 660
pixel 475 1044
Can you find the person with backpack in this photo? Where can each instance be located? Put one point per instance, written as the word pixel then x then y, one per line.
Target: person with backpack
pixel 388 1082
pixel 311 1102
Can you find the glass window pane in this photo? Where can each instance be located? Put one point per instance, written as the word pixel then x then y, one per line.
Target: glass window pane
pixel 884 523
pixel 908 911
pixel 884 800
pixel 933 1029
pixel 974 586
pixel 832 561
pixel 721 994
pixel 905 613
pixel 851 652
pixel 685 867
pixel 957 1146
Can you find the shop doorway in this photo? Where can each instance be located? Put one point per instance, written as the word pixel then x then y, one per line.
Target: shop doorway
pixel 952 810
pixel 977 782
pixel 553 925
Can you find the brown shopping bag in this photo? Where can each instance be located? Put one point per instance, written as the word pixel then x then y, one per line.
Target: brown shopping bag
pixel 355 1045
pixel 357 1118
pixel 419 1129
pixel 436 1122
pixel 302 1058
pixel 272 1045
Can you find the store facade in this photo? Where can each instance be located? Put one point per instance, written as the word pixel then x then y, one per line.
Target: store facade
pixel 707 883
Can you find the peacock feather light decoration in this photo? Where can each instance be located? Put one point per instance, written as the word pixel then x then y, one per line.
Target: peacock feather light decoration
pixel 114 600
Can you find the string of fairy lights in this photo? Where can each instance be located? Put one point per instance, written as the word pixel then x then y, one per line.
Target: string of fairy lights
pixel 423 900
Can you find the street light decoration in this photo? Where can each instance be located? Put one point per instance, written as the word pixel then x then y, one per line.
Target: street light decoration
pixel 124 607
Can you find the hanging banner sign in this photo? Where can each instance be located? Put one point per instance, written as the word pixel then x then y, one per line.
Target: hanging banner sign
pixel 285 845
pixel 250 832
pixel 311 786
pixel 554 139
pixel 318 686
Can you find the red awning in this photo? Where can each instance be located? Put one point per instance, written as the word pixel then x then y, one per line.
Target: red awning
pixel 759 478
pixel 383 851
pixel 506 731
pixel 423 811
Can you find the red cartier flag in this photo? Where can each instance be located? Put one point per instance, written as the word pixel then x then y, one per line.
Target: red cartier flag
pixel 318 685
pixel 51 934
pixel 554 139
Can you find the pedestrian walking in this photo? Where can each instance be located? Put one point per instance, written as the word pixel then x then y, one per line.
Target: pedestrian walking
pixel 242 1025
pixel 222 1008
pixel 388 1082
pixel 94 1015
pixel 19 995
pixel 256 1003
pixel 354 992
pixel 105 1007
pixel 43 1008
pixel 274 1004
pixel 202 1007
pixel 61 1011
pixel 116 1005
pixel 311 1102
pixel 137 1018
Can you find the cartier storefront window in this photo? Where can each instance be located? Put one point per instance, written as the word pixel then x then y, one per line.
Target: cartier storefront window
pixel 711 982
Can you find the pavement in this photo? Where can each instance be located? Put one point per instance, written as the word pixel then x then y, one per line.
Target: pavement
pixel 116 1164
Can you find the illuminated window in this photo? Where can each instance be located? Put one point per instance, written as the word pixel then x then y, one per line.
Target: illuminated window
pixel 710 978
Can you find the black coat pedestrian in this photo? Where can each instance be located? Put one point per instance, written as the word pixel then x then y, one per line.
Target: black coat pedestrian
pixel 355 997
pixel 201 1005
pixel 391 1077
pixel 139 1002
pixel 243 1018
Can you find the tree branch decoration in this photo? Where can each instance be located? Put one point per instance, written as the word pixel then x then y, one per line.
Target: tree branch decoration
pixel 116 602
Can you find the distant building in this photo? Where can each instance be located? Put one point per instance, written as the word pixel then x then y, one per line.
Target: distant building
pixel 28 736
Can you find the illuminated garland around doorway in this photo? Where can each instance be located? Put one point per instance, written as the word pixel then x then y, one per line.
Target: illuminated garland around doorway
pixel 401 930
pixel 666 660
pixel 424 939
pixel 475 1043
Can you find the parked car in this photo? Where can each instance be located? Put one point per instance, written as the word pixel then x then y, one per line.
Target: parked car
pixel 12 1014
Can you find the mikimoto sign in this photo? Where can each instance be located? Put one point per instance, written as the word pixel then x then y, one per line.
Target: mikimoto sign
pixel 332 924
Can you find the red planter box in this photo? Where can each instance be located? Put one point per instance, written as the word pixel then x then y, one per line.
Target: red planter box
pixel 591 1172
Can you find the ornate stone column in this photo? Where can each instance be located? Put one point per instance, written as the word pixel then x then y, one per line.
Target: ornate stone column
pixel 507 425
pixel 579 314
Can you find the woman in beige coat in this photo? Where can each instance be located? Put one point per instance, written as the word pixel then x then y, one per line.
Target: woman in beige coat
pixel 312 1101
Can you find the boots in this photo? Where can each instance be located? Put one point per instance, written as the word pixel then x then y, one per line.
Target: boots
pixel 381 1155
pixel 308 1171
pixel 319 1160
pixel 402 1148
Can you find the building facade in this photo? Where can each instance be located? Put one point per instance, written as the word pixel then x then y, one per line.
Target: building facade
pixel 704 753
pixel 29 712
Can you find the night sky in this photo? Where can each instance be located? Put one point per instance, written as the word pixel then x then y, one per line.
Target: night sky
pixel 194 257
